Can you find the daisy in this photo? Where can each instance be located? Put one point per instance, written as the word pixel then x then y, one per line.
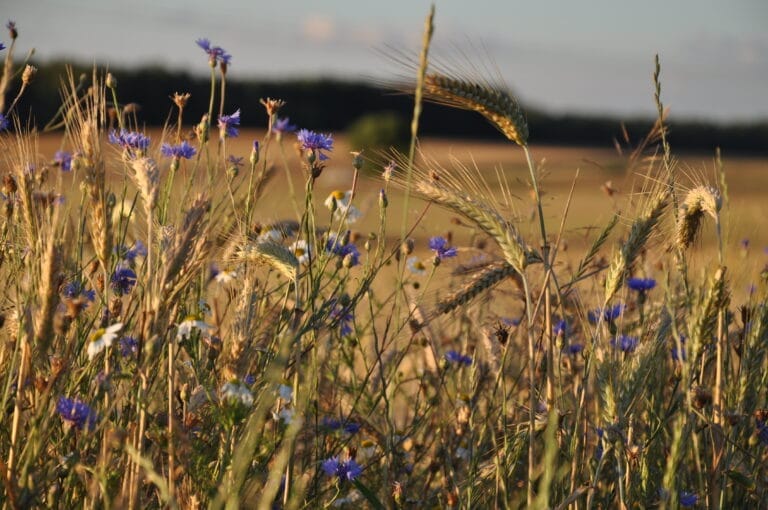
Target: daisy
pixel 102 339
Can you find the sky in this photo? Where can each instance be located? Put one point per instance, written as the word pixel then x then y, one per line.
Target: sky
pixel 563 56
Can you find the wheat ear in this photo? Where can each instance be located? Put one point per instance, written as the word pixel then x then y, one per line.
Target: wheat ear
pixel 698 202
pixel 488 220
pixel 493 103
pixel 486 279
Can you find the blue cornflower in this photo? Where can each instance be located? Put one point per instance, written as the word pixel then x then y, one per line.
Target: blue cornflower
pixel 599 450
pixel 351 427
pixel 330 423
pixel 677 356
pixel 235 161
pixel 282 126
pixel 215 53
pixel 227 125
pixel 440 246
pixel 609 314
pixel 574 349
pixel 334 246
pixel 63 160
pixel 343 317
pixel 183 150
pixel 762 431
pixel 560 328
pixel 249 379
pixel 641 284
pixel 344 470
pixel 3 119
pixel 123 280
pixel 75 289
pixel 315 142
pixel 2 46
pixel 76 413
pixel 624 343
pixel 458 358
pixel 129 346
pixel 130 140
pixel 688 499
pixel 129 254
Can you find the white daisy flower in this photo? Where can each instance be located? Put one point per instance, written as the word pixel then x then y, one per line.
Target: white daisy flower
pixel 285 393
pixel 301 249
pixel 341 198
pixel 102 339
pixel 272 234
pixel 185 327
pixel 344 209
pixel 285 415
pixel 224 277
pixel 416 266
pixel 236 392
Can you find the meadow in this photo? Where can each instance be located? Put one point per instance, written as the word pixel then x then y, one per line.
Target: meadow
pixel 206 316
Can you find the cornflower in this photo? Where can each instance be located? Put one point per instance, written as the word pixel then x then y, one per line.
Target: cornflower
pixel 3 119
pixel 215 53
pixel 609 314
pixel 624 343
pixel 345 251
pixel 688 499
pixel 123 280
pixel 227 125
pixel 282 126
pixel 129 346
pixel 76 413
pixel 458 358
pixel 183 150
pixel 63 160
pixel 344 470
pixel 129 140
pixel 76 289
pixel 440 246
pixel 343 317
pixel 315 142
pixel 641 284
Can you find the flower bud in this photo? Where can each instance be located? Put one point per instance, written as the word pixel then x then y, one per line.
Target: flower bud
pixel 28 74
pixel 254 153
pixel 357 160
pixel 111 81
pixel 383 201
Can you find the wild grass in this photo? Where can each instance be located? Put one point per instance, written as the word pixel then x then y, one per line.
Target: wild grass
pixel 166 343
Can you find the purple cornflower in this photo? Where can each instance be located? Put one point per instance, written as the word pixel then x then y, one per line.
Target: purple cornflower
pixel 129 346
pixel 599 450
pixel 343 250
pixel 123 280
pixel 624 343
pixel 76 289
pixel 227 125
pixel 235 161
pixel 3 119
pixel 215 53
pixel 315 142
pixel 574 349
pixel 762 431
pixel 458 358
pixel 673 351
pixel 282 126
pixel 129 140
pixel 76 413
pixel 345 470
pixel 63 160
pixel 343 317
pixel 183 150
pixel 609 314
pixel 641 284
pixel 440 246
pixel 129 254
pixel 688 499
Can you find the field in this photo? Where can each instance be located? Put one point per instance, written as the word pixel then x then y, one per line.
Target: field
pixel 191 319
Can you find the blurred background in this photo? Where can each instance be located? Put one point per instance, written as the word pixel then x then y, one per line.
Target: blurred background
pixel 579 68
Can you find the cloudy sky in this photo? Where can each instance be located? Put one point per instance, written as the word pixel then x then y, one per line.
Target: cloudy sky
pixel 561 55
